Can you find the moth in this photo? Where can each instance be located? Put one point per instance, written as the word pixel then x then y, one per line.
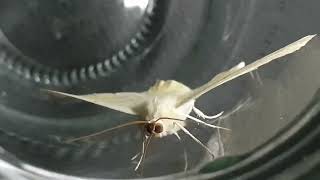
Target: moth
pixel 166 106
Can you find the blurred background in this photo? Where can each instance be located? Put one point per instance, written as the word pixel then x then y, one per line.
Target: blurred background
pixel 84 47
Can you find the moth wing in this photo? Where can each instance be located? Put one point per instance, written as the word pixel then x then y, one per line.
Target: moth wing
pixel 240 69
pixel 127 102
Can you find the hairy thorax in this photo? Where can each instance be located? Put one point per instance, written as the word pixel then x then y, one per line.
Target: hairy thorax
pixel 164 105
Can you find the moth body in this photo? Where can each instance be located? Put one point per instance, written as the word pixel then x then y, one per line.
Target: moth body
pixel 163 104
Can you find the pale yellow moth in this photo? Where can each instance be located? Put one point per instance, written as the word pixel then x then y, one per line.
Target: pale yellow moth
pixel 167 104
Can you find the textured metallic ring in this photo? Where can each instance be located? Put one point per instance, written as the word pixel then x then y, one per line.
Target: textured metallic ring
pixel 138 44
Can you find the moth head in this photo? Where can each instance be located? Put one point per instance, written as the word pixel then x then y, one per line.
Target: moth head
pixel 154 128
pixel 162 126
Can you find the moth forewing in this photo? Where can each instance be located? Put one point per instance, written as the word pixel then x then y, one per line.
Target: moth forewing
pixel 126 102
pixel 238 70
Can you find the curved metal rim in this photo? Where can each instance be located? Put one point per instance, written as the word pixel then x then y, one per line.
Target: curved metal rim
pixel 267 160
pixel 138 44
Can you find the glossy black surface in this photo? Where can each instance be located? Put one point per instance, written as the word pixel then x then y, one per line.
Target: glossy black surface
pixel 42 42
pixel 64 34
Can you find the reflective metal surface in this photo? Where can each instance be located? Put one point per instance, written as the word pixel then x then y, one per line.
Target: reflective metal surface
pixel 65 34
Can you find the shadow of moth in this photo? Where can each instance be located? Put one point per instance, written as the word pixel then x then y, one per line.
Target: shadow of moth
pixel 166 105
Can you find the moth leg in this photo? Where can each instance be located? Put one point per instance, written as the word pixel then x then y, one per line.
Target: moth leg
pixel 202 122
pixel 185 154
pixel 195 139
pixel 256 76
pixel 142 155
pixel 135 156
pixel 204 116
pixel 220 139
pixel 145 146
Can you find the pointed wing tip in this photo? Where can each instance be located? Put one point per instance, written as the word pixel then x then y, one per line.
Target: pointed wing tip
pixel 56 93
pixel 303 41
pixel 308 38
pixel 50 91
pixel 46 91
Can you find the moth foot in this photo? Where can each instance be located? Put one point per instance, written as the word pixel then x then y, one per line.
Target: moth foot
pixel 204 116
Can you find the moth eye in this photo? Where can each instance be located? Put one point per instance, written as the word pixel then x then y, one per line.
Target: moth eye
pixel 158 128
pixel 150 128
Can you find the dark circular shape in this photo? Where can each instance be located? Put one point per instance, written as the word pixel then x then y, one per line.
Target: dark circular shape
pixel 158 128
pixel 154 128
pixel 150 128
pixel 66 42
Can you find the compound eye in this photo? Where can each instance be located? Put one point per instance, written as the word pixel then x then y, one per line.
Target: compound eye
pixel 150 128
pixel 158 128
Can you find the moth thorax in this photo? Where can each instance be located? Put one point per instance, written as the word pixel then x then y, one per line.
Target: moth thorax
pixel 154 128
